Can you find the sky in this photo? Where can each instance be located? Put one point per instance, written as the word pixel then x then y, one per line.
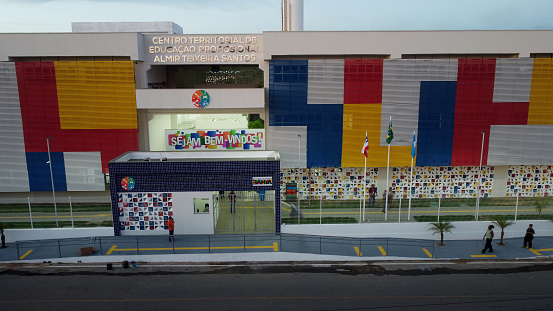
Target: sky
pixel 256 16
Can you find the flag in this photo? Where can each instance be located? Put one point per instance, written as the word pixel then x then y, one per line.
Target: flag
pixel 390 133
pixel 414 146
pixel 365 149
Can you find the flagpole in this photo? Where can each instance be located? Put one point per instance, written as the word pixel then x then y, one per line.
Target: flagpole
pixel 387 180
pixel 364 188
pixel 387 183
pixel 410 186
pixel 413 151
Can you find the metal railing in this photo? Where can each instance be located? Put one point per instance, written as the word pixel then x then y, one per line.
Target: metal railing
pixel 415 210
pixel 207 244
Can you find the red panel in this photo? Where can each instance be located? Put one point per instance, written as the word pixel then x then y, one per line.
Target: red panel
pixel 40 115
pixel 363 81
pixel 475 112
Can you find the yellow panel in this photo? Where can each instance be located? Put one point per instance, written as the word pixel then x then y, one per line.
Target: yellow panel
pixel 541 95
pixel 96 95
pixel 361 118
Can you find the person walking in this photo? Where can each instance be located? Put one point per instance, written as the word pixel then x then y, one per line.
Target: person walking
pixel 372 195
pixel 529 236
pixel 384 198
pixel 488 236
pixel 232 199
pixel 171 227
pixel 390 196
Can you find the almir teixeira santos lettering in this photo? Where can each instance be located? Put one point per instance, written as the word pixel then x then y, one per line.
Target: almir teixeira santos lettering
pixel 203 49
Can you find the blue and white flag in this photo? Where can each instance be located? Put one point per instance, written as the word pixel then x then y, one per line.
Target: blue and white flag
pixel 414 146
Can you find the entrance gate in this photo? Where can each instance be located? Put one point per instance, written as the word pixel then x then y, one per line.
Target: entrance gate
pixel 250 212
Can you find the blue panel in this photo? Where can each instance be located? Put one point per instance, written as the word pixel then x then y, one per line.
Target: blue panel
pixel 39 171
pixel 436 123
pixel 288 93
pixel 324 135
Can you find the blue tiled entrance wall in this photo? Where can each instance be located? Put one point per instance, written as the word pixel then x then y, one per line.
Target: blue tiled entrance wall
pixel 193 176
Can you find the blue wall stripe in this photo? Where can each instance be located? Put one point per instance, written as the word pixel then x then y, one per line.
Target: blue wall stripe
pixel 288 93
pixel 324 135
pixel 39 171
pixel 436 123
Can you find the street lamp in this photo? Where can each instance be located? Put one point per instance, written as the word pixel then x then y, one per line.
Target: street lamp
pixel 299 151
pixel 52 179
pixel 479 177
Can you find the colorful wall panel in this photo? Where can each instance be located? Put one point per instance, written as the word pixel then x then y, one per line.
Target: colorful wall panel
pixel 444 182
pixel 328 183
pixel 89 108
pixel 401 91
pixel 452 105
pixel 145 210
pixel 530 180
pixel 13 168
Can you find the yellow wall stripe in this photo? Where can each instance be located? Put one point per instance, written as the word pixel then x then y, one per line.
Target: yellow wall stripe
pixel 96 95
pixel 541 94
pixel 361 118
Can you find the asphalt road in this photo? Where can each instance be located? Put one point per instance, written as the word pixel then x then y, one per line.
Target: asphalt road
pixel 369 286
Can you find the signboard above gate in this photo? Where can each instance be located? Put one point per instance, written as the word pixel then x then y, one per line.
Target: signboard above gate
pixel 207 140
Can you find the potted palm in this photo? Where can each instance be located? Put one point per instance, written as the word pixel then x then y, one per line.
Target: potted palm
pixel 502 223
pixel 441 227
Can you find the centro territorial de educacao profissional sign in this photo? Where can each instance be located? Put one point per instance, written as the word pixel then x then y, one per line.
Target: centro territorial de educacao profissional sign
pixel 196 49
pixel 207 140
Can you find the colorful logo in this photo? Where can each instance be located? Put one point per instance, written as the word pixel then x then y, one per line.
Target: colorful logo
pixel 127 183
pixel 200 98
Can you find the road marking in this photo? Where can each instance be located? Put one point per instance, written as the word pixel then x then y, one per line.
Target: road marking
pixel 114 248
pixel 111 249
pixel 483 256
pixel 358 251
pixel 427 252
pixel 382 251
pixel 25 255
pixel 536 251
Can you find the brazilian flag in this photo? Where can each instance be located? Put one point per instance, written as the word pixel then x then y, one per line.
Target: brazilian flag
pixel 390 133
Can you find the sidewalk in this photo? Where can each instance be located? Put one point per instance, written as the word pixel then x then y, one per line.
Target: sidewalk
pixel 270 248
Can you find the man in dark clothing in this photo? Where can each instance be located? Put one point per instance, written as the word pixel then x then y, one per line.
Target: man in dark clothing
pixel 529 236
pixel 372 195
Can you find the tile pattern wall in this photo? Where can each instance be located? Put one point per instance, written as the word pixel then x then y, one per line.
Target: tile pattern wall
pixel 445 182
pixel 328 183
pixel 530 181
pixel 144 210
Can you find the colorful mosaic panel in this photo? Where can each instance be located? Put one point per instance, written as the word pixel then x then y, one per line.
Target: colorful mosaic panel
pixel 451 104
pixel 530 181
pixel 328 183
pixel 445 182
pixel 144 210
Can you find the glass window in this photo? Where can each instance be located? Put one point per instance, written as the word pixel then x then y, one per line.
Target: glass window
pixel 201 206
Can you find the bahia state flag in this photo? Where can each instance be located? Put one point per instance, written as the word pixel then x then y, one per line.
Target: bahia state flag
pixel 414 146
pixel 390 133
pixel 365 149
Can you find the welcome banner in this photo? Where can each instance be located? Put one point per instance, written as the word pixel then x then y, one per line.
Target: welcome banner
pixel 206 140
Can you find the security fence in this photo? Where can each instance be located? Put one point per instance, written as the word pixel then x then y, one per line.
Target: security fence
pixel 208 244
pixel 414 210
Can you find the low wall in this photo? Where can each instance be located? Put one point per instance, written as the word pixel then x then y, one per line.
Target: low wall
pixel 464 230
pixel 13 235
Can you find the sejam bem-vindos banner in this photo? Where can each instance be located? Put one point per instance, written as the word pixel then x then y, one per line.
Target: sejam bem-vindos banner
pixel 205 140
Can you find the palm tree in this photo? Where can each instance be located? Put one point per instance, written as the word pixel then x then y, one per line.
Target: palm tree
pixel 441 227
pixel 502 223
